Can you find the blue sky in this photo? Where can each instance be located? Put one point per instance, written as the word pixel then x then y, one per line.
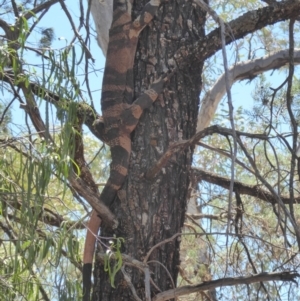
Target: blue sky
pixel 241 92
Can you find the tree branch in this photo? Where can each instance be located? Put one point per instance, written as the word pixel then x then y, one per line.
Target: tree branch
pixel 225 154
pixel 239 28
pixel 92 198
pixel 15 8
pixel 231 281
pixel 238 72
pixel 208 216
pixel 39 8
pixel 179 146
pixel 90 117
pixel 252 190
pixel 77 35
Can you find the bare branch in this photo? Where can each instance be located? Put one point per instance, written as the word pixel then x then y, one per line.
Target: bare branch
pixel 225 154
pixel 208 216
pixel 252 190
pixel 15 8
pixel 47 216
pixel 179 146
pixel 39 8
pixel 87 51
pixel 91 197
pixel 231 281
pixel 238 72
pixel 271 189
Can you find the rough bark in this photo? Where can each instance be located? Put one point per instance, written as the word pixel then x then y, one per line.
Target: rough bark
pixel 247 23
pixel 151 211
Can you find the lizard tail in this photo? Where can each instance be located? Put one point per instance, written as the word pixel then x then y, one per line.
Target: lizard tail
pixel 88 254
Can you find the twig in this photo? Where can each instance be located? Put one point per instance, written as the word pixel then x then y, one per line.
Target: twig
pixel 39 8
pixel 167 271
pixel 87 51
pixel 159 244
pixel 271 189
pixel 224 153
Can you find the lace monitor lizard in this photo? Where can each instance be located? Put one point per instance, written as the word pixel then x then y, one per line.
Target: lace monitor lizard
pixel 120 114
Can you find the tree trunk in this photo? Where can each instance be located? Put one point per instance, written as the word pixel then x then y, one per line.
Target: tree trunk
pixel 152 210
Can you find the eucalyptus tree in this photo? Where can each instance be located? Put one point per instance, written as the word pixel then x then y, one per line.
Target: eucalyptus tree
pixel 242 172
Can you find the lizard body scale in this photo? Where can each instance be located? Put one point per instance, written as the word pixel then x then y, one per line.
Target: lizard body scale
pixel 120 114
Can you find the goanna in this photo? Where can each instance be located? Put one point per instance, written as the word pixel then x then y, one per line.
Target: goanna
pixel 120 112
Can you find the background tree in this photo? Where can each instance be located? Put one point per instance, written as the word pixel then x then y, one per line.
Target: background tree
pixel 243 173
